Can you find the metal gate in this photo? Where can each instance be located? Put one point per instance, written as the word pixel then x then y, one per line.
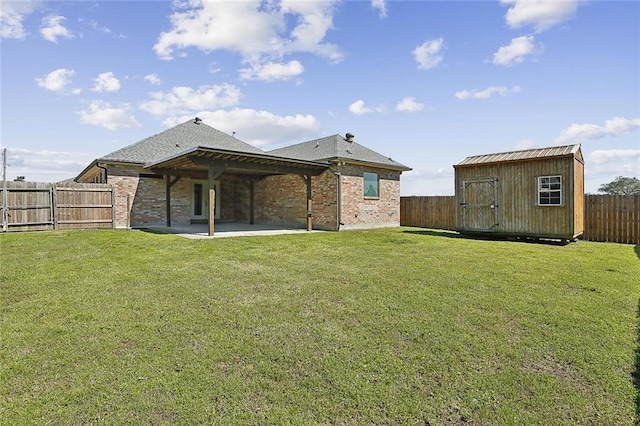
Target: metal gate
pixel 480 204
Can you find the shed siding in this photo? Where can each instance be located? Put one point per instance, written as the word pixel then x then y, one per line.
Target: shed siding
pixel 518 211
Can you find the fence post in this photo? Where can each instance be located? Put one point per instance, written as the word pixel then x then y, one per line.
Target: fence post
pixel 113 208
pixel 5 216
pixel 53 199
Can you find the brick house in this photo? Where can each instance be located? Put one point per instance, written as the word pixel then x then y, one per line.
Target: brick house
pixel 174 177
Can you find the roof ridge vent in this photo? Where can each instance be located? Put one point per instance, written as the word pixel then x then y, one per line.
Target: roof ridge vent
pixel 349 137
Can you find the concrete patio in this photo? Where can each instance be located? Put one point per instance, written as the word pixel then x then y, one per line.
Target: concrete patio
pixel 226 229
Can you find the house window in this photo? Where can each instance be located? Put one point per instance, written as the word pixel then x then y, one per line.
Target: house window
pixel 371 185
pixel 550 191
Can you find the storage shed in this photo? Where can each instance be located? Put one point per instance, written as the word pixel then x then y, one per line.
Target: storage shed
pixel 536 193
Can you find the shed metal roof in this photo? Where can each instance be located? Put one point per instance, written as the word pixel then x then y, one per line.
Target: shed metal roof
pixel 527 154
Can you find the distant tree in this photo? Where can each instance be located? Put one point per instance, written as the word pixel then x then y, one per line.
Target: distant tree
pixel 19 179
pixel 621 186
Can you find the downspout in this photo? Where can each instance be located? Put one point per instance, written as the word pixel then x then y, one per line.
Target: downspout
pixel 339 198
pixel 106 176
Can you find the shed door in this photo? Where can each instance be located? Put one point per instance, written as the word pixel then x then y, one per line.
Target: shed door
pixel 479 204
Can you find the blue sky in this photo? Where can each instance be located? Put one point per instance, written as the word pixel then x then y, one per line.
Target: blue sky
pixel 426 83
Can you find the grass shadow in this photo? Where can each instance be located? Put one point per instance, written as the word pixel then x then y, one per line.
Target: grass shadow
pixel 637 250
pixel 434 233
pixel 490 237
pixel 156 231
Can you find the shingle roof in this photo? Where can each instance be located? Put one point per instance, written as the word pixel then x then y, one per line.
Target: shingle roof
pixel 178 139
pixel 336 147
pixel 527 154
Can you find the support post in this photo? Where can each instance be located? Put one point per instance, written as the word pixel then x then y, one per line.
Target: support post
pixel 168 199
pixel 213 173
pixel 307 178
pixel 212 209
pixel 251 202
pixel 169 185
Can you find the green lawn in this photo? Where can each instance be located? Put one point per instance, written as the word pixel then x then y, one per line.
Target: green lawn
pixel 395 326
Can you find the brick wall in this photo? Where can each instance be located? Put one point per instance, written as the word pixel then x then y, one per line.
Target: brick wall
pixel 361 212
pixel 235 199
pixel 141 201
pixel 324 189
pixel 125 185
pixel 281 200
pixel 149 204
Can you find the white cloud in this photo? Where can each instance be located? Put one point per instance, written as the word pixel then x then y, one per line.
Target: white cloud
pixel 185 100
pixel 541 14
pixel 11 15
pixel 106 82
pixel 56 80
pixel 105 115
pixel 487 93
pixel 152 79
pixel 380 6
pixel 409 104
pixel 261 32
pixel 359 108
pixel 427 55
pixel 45 165
pixel 97 27
pixel 52 28
pixel 258 128
pixel 581 132
pixel 428 181
pixel 606 155
pixel 516 51
pixel 272 71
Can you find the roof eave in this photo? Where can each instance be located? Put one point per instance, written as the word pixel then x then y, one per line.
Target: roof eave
pixel 97 162
pixel 231 152
pixel 399 167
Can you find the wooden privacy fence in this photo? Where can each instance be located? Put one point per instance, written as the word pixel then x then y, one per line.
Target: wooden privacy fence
pixel 611 218
pixel 436 212
pixel 35 206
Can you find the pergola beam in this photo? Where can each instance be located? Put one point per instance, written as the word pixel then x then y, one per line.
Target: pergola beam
pixel 274 168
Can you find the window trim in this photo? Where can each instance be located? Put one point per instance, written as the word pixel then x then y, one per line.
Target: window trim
pixel 549 191
pixel 365 180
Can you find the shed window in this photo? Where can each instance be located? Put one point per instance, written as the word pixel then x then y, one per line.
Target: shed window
pixel 550 191
pixel 371 185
